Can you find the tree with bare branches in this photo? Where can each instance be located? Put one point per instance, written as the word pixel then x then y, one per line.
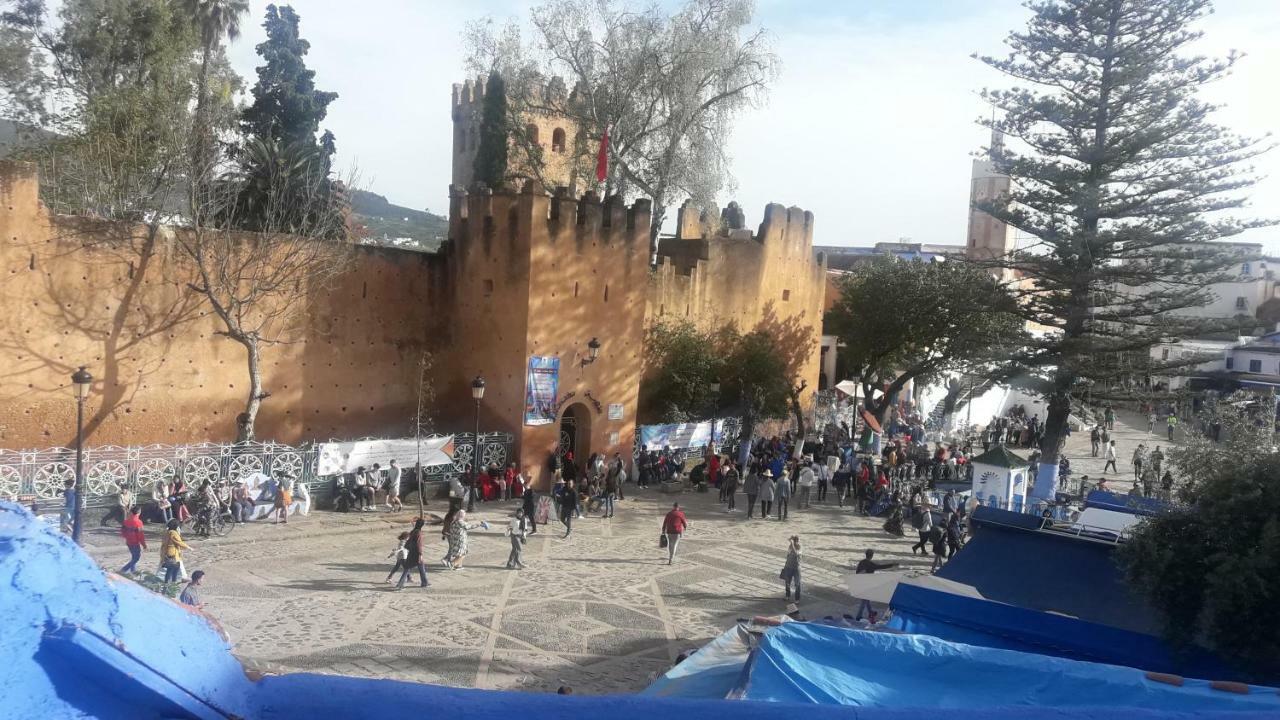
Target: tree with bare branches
pixel 665 87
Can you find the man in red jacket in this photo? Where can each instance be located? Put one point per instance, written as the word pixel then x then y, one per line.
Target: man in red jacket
pixel 673 526
pixel 131 530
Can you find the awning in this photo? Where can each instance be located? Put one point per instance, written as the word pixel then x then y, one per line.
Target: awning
pixel 879 587
pixel 848 387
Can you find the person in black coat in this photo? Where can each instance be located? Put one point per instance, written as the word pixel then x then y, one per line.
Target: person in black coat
pixel 568 506
pixel 530 505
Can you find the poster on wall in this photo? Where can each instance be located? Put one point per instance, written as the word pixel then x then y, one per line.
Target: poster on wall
pixel 540 389
pixel 615 411
pixel 679 436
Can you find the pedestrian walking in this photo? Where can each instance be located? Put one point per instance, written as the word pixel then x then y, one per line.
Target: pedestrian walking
pixel 171 552
pixel 134 539
pixel 1111 458
pixel 413 556
pixel 922 521
pixel 610 491
pixel 938 542
pixel 568 506
pixel 867 566
pixel 283 499
pixel 808 479
pixel 767 489
pixel 730 485
pixel 791 568
pixel 1151 422
pixel 529 504
pixel 1095 441
pixel 1109 417
pixel 1171 423
pixel 751 486
pixel 1139 458
pixel 393 487
pixel 66 519
pixel 955 534
pixel 400 553
pixel 517 530
pixel 673 527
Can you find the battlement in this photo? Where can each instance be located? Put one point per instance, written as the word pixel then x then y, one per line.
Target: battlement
pixel 780 225
pixel 481 216
pixel 469 94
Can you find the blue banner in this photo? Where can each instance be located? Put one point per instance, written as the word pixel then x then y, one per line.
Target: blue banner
pixel 540 390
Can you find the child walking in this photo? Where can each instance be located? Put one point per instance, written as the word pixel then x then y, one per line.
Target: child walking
pixel 791 569
pixel 400 553
pixel 517 531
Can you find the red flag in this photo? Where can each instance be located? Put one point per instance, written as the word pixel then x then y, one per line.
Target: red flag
pixel 602 159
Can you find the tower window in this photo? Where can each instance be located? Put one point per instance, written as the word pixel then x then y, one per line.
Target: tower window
pixel 786 296
pixel 488 288
pixel 531 133
pixel 1255 366
pixel 462 139
pixel 557 140
pixel 1240 303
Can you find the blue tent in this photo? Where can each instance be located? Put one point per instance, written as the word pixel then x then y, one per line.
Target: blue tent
pixel 1011 560
pixel 826 665
pixel 975 621
pixel 77 643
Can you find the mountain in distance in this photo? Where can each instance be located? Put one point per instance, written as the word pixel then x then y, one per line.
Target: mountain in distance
pixel 379 222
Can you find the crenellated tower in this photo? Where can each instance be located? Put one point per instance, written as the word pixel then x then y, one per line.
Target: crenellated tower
pixel 544 130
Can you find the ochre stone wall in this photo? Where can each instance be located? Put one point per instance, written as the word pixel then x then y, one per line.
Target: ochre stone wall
pixel 714 271
pixel 83 292
pixel 536 275
pixel 522 274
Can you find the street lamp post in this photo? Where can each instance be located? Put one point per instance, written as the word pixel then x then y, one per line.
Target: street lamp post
pixel 477 392
pixel 80 380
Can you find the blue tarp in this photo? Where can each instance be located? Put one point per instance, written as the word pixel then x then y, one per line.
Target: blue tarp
pixel 1011 561
pixel 825 665
pixel 710 672
pixel 1132 504
pixel 975 621
pixel 75 643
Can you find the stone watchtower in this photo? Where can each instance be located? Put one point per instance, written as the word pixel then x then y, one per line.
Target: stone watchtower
pixel 988 237
pixel 543 129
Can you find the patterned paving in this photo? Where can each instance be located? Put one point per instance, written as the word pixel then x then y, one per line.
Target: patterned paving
pixel 600 611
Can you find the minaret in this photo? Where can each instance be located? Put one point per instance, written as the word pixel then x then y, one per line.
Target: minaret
pixel 988 237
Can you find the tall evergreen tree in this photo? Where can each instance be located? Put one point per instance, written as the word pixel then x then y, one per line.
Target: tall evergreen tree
pixel 1120 178
pixel 284 176
pixel 287 107
pixel 490 164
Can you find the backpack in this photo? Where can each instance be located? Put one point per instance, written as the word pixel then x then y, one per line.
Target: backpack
pixel 917 519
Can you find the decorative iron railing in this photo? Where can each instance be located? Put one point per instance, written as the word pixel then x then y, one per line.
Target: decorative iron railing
pixel 109 468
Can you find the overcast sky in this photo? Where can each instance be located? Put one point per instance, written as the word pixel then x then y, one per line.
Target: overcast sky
pixel 870 124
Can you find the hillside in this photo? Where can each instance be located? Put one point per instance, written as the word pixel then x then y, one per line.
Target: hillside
pixel 382 223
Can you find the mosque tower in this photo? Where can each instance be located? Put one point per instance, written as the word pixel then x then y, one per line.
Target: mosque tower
pixel 988 237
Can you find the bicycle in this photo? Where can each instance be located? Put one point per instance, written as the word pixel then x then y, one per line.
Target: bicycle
pixel 217 521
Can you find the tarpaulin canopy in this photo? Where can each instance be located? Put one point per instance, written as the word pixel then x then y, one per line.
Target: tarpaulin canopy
pixel 1010 560
pixel 712 671
pixel 826 665
pixel 848 387
pixel 880 587
pixel 975 621
pixel 79 644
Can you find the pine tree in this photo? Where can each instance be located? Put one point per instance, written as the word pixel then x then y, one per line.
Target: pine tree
pixel 490 164
pixel 287 107
pixel 1120 178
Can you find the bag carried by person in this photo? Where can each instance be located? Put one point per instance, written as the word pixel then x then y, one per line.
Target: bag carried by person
pixel 662 540
pixel 543 513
